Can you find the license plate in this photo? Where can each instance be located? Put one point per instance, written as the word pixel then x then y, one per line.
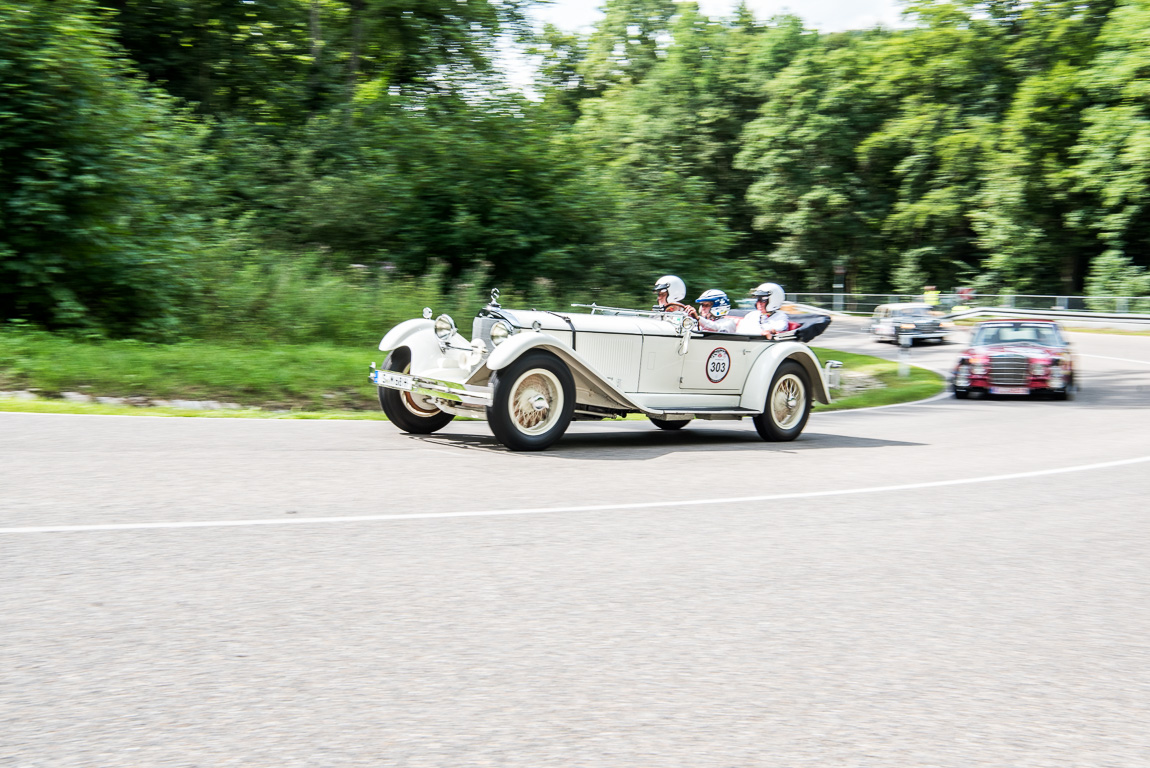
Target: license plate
pixel 1009 391
pixel 393 380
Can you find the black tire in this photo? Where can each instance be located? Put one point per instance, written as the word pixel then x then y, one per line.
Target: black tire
pixel 961 393
pixel 1066 393
pixel 668 424
pixel 401 408
pixel 537 374
pixel 785 423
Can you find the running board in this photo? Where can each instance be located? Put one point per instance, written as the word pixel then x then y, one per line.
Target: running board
pixel 716 414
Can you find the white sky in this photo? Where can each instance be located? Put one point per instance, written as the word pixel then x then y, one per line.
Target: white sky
pixel 824 15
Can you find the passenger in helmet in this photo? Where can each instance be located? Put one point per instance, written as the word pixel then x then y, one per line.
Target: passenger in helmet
pixel 713 308
pixel 767 319
pixel 669 294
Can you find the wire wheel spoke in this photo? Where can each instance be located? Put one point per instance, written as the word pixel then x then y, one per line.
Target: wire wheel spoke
pixel 788 401
pixel 536 401
pixel 416 407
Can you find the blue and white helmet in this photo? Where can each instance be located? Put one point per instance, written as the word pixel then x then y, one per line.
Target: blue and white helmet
pixel 720 304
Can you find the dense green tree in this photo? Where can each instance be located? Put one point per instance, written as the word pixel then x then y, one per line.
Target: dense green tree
pixel 945 87
pixel 1114 149
pixel 95 176
pixel 813 195
pixel 627 42
pixel 226 57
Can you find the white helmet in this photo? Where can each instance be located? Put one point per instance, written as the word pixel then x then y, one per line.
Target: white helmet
pixel 773 293
pixel 676 289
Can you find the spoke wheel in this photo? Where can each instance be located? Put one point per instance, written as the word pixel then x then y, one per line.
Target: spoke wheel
pixel 410 412
pixel 788 404
pixel 533 401
pixel 536 401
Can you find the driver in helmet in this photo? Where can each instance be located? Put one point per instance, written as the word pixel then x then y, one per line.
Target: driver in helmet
pixel 669 294
pixel 767 319
pixel 713 308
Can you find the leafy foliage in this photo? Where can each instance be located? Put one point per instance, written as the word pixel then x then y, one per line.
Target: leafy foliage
pixel 274 168
pixel 94 168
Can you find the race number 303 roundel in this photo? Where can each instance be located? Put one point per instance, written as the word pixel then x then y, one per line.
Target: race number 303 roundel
pixel 718 365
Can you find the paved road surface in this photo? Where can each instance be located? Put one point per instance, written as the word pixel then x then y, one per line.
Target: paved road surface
pixel 952 619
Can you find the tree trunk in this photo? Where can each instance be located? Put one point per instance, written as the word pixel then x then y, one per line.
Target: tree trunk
pixel 316 40
pixel 356 7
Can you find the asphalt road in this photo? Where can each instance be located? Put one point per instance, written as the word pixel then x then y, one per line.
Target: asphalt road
pixel 942 584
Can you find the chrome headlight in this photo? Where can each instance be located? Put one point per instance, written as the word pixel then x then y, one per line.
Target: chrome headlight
pixel 499 332
pixel 1038 369
pixel 444 327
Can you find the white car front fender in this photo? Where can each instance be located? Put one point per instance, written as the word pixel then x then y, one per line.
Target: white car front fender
pixel 429 357
pixel 763 371
pixel 398 335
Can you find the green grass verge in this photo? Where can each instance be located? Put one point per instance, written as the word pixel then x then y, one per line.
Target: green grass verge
pixel 918 385
pixel 272 381
pixel 311 377
pixel 97 409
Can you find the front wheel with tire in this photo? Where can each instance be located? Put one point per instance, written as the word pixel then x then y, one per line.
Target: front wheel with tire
pixel 788 404
pixel 408 411
pixel 669 424
pixel 533 401
pixel 1066 393
pixel 961 393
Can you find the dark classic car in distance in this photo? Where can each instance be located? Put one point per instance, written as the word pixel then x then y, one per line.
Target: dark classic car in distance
pixel 1015 357
pixel 908 322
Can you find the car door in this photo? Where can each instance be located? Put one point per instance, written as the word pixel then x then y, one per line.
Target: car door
pixel 718 363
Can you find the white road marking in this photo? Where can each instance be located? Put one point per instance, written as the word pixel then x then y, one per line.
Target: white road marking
pixel 584 508
pixel 1121 359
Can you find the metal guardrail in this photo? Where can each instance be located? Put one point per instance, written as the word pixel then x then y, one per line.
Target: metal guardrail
pixel 865 303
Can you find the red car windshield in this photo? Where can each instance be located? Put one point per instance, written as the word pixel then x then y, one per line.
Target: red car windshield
pixel 1035 334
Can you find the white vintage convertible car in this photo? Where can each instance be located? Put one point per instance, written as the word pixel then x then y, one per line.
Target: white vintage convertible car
pixel 531 373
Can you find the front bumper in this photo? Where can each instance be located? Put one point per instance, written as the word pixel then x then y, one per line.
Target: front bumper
pixel 968 381
pixel 434 388
pixel 887 334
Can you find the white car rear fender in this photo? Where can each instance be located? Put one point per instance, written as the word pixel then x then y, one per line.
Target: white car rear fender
pixel 585 376
pixel 759 380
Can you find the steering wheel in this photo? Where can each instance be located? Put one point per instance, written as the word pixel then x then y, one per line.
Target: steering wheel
pixel 674 306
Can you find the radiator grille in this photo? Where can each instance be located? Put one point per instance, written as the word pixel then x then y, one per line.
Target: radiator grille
pixel 1009 370
pixel 481 329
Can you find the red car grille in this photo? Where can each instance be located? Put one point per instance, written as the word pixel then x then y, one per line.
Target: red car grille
pixel 1009 370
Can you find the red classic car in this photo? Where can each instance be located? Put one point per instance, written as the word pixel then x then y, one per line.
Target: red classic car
pixel 1015 357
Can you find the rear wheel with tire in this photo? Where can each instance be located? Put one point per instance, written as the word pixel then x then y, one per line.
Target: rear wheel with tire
pixel 410 412
pixel 669 424
pixel 788 404
pixel 533 401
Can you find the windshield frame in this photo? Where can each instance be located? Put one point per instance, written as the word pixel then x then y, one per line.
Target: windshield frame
pixel 981 332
